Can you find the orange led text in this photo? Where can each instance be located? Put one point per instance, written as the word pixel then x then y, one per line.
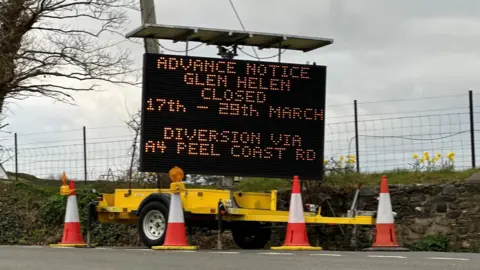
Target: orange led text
pixel 161 104
pixel 295 113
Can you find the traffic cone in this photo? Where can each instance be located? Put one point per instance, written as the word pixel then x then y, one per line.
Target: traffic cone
pixel 385 238
pixel 176 238
pixel 72 233
pixel 296 237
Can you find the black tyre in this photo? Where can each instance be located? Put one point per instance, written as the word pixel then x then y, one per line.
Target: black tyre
pixel 251 235
pixel 152 224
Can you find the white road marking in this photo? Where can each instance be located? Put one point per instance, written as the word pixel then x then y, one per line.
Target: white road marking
pixel 139 249
pixel 224 252
pixel 326 254
pixel 386 256
pixel 31 246
pixel 274 253
pixel 444 258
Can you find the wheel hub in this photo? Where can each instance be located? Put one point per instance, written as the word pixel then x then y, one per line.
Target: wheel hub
pixel 154 224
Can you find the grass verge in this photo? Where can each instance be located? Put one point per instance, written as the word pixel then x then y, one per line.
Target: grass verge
pixel 403 177
pixel 258 184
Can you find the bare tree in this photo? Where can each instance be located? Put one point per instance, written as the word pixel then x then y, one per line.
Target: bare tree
pixel 54 48
pixel 6 153
pixel 135 125
pixel 160 178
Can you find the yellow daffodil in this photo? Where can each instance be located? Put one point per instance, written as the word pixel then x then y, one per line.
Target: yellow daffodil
pixel 422 160
pixel 342 158
pixel 415 156
pixel 325 162
pixel 451 156
pixel 425 155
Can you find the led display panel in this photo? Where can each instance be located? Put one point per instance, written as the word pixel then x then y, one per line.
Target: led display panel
pixel 218 116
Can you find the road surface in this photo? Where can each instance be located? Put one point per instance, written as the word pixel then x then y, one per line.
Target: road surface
pixel 46 258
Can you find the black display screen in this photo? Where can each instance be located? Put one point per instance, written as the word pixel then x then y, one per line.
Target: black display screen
pixel 232 117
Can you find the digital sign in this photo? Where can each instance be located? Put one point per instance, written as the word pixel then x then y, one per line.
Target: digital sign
pixel 232 117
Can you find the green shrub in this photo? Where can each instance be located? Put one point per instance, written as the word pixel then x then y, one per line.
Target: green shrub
pixel 263 184
pixel 52 212
pixel 431 243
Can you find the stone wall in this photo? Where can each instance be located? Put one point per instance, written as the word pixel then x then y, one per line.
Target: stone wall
pixel 451 210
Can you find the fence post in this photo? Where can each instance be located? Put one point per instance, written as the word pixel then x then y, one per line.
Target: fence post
pixel 357 150
pixel 16 156
pixel 472 128
pixel 85 153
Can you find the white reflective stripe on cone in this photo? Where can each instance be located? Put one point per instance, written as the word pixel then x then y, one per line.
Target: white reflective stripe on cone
pixel 175 215
pixel 385 213
pixel 72 210
pixel 295 215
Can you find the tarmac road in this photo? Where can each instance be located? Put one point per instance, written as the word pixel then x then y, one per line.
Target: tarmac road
pixel 46 258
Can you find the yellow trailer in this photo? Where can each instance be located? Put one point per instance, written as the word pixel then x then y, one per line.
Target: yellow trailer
pixel 249 215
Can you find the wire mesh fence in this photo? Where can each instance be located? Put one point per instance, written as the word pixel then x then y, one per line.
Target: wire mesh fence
pixel 390 133
pixel 92 154
pixel 382 136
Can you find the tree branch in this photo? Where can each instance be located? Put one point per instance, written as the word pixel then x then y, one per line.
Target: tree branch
pixel 40 40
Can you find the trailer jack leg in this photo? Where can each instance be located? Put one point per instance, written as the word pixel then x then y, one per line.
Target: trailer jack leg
pixel 220 212
pixel 91 207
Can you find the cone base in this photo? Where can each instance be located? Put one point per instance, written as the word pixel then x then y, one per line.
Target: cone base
pixel 296 235
pixel 68 245
pixel 385 236
pixel 296 248
pixel 176 235
pixel 72 234
pixel 175 247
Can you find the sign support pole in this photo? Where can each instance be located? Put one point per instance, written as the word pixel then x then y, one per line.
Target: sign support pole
pixel 148 16
pixel 280 52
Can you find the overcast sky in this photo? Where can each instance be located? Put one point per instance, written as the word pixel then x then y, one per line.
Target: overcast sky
pixel 383 50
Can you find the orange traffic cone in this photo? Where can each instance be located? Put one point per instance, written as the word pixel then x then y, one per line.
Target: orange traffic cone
pixel 176 238
pixel 296 237
pixel 385 238
pixel 72 233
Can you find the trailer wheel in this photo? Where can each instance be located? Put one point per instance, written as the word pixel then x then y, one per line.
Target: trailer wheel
pixel 152 224
pixel 250 235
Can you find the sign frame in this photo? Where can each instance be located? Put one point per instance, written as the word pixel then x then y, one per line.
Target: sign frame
pixel 226 172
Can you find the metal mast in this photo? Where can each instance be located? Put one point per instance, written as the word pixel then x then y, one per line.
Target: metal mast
pixel 148 17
